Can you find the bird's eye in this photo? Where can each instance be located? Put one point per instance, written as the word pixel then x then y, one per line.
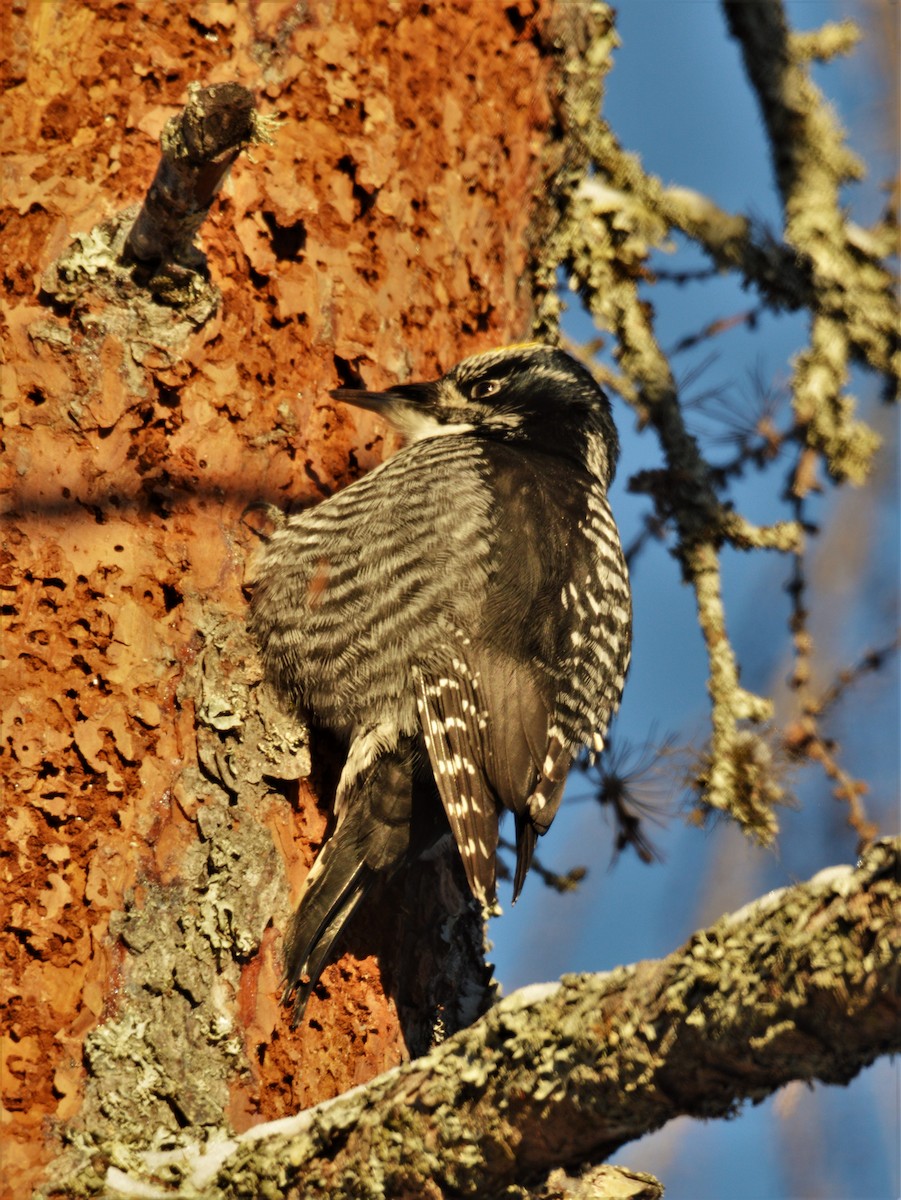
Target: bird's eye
pixel 483 388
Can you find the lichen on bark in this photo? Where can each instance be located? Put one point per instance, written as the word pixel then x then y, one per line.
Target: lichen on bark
pixel 801 984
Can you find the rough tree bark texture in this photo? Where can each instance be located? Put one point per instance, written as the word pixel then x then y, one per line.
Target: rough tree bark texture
pixel 801 984
pixel 156 811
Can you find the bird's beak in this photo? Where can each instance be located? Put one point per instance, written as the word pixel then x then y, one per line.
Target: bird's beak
pixel 408 408
pixel 392 402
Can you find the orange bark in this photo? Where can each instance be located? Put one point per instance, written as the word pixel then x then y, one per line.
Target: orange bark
pixel 388 228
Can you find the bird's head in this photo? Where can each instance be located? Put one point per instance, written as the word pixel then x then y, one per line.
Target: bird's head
pixel 531 394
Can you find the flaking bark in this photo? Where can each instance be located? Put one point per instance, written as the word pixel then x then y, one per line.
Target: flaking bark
pixel 161 815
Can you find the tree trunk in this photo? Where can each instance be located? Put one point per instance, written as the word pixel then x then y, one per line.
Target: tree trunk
pixel 160 815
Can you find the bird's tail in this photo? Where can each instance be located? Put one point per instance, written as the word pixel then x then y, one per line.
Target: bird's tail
pixel 386 820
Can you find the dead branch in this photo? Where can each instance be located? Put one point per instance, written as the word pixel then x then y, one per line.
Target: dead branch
pixel 199 146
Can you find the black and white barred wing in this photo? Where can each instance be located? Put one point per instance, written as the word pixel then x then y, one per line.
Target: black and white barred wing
pixel 485 726
pixel 596 635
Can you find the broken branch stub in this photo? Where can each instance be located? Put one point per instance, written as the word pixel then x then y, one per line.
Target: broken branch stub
pixel 199 146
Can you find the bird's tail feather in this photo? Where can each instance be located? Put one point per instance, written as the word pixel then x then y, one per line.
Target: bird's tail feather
pixel 326 907
pixel 380 828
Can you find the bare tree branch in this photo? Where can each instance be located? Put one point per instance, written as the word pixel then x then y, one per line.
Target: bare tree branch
pixel 800 984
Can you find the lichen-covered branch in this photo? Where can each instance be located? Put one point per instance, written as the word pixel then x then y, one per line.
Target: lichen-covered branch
pixel 734 775
pixel 801 984
pixel 610 212
pixel 854 302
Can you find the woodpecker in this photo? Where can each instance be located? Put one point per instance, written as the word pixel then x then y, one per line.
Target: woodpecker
pixel 459 618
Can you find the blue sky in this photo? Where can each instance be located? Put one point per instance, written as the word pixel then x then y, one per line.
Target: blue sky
pixel 678 97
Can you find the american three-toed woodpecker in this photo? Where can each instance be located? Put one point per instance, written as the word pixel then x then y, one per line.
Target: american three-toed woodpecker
pixel 460 618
